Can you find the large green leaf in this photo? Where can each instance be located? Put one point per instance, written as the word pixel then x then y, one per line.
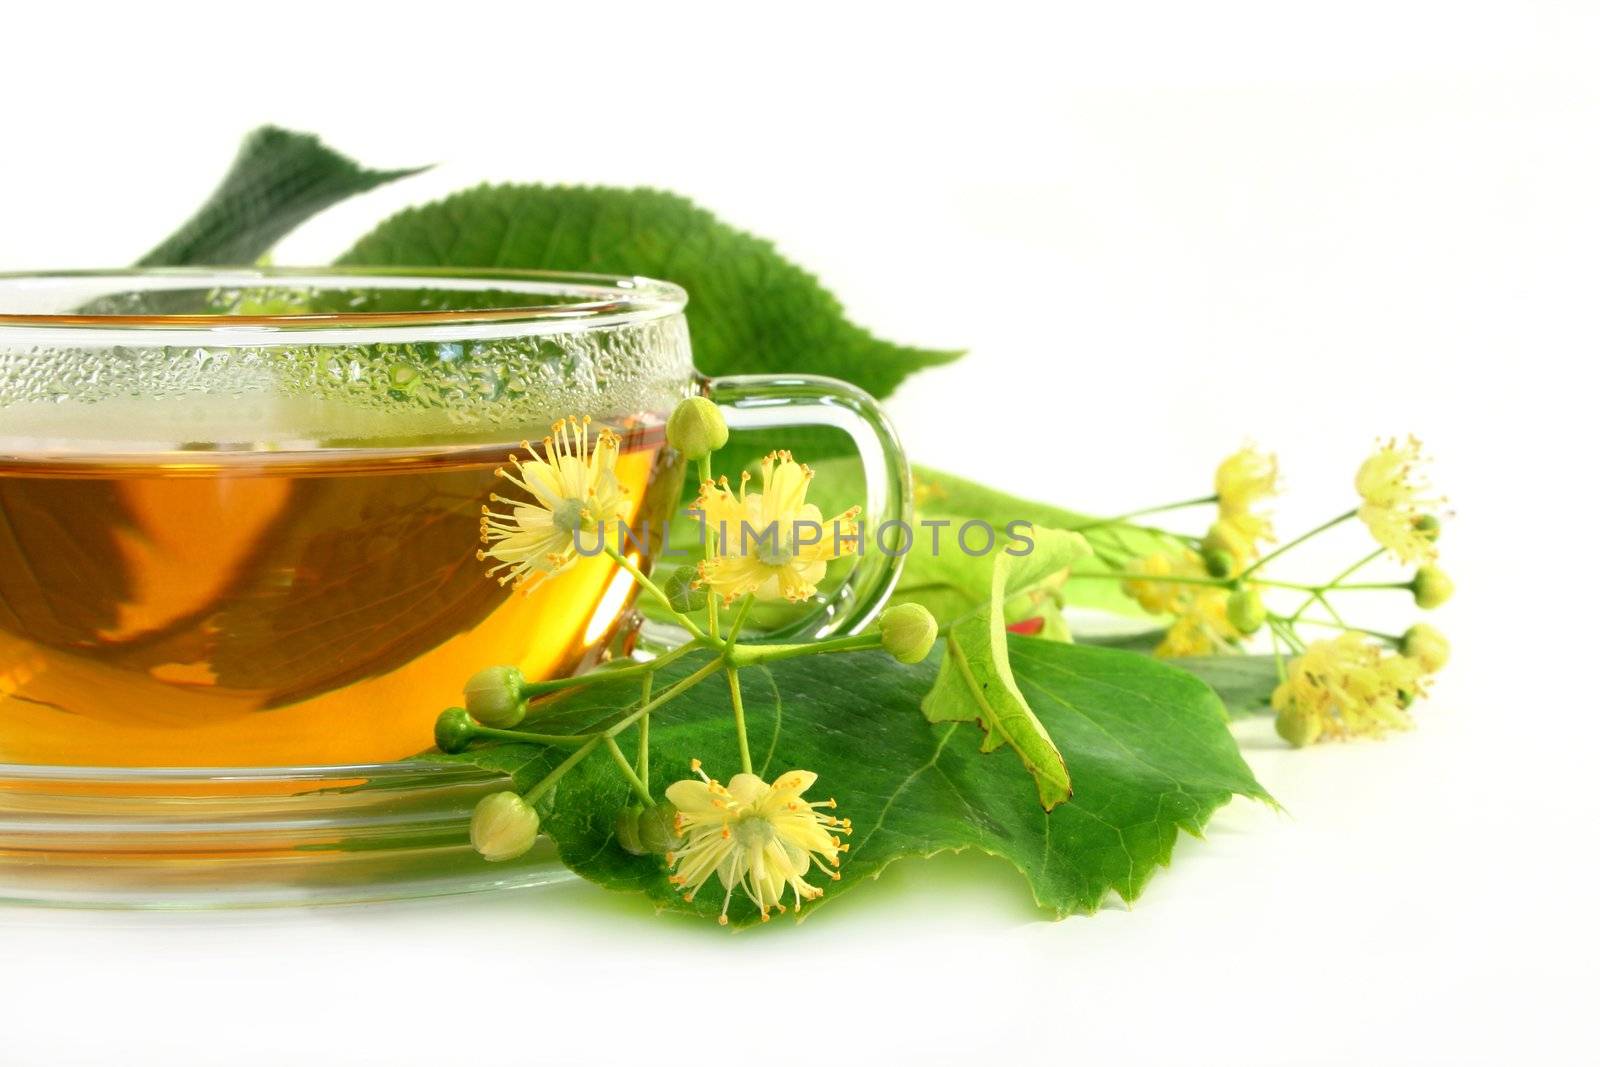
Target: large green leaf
pixel 278 180
pixel 750 309
pixel 975 682
pixel 945 497
pixel 1151 753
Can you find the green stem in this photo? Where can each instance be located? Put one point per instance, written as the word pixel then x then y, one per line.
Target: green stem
pixel 1220 583
pixel 666 695
pixel 644 730
pixel 548 781
pixel 750 655
pixel 654 590
pixel 1302 539
pixel 738 719
pixel 1334 614
pixel 1283 628
pixel 1341 576
pixel 1373 585
pixel 738 619
pixel 489 733
pixel 632 670
pixel 640 790
pixel 1393 639
pixel 1124 517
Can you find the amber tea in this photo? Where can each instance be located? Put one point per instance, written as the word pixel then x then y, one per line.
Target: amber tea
pixel 215 609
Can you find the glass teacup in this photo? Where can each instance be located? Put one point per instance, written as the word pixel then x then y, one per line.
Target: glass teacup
pixel 239 508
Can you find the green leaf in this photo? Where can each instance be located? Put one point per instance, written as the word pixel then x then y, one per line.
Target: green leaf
pixel 1152 755
pixel 1243 683
pixel 975 683
pixel 278 180
pixel 750 309
pixel 946 497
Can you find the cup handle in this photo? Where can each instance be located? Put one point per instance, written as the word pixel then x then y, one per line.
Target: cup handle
pixel 764 402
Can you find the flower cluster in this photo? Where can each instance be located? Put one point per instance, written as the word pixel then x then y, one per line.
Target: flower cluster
pixel 762 838
pixel 1355 684
pixel 754 836
pixel 1346 687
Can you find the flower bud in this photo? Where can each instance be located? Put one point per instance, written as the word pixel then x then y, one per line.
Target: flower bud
pixel 696 428
pixel 909 631
pixel 494 697
pixel 1218 562
pixel 504 826
pixel 681 591
pixel 628 830
pixel 1298 727
pixel 1427 526
pixel 1431 587
pixel 1246 612
pixel 453 729
pixel 1222 549
pixel 658 828
pixel 1427 646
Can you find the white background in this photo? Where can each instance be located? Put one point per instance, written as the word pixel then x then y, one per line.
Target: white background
pixel 1159 229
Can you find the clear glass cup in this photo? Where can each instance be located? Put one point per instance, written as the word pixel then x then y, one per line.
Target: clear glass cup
pixel 238 514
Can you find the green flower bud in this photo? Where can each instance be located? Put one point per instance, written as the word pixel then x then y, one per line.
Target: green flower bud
pixel 909 631
pixel 453 729
pixel 681 592
pixel 504 826
pixel 696 428
pixel 1427 646
pixel 658 828
pixel 1431 587
pixel 1246 612
pixel 628 830
pixel 1218 562
pixel 1428 526
pixel 494 697
pixel 1298 727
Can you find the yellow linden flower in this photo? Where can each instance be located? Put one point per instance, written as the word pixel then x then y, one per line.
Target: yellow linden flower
pixel 1158 597
pixel 1395 501
pixel 574 488
pixel 1346 687
pixel 1243 480
pixel 751 835
pixel 771 543
pixel 1202 629
pixel 1247 476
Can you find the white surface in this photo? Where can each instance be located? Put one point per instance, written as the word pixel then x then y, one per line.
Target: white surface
pixel 1229 220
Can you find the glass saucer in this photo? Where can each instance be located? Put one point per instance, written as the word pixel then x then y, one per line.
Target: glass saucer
pixel 117 837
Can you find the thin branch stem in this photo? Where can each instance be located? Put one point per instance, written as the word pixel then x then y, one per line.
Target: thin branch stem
pixel 655 591
pixel 548 781
pixel 737 697
pixel 640 790
pixel 750 655
pixel 644 730
pixel 532 689
pixel 526 737
pixel 1394 639
pixel 1122 519
pixel 1302 539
